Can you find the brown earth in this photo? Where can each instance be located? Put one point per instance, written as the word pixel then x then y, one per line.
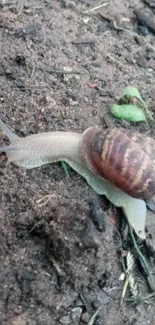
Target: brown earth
pixel 57 266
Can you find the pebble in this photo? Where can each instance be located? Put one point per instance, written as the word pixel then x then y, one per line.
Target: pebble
pixel 89 237
pixel 85 317
pixel 151 205
pixel 97 215
pixel 152 64
pixel 76 315
pixel 141 61
pixel 65 320
pixel 72 318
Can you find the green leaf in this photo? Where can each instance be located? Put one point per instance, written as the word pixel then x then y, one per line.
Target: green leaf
pixel 130 92
pixel 131 95
pixel 128 112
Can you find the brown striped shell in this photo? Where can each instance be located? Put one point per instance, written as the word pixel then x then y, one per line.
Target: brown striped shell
pixel 124 157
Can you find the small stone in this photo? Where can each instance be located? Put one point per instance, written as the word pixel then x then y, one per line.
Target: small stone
pixel 122 277
pixel 102 299
pixel 76 315
pixel 151 205
pixel 140 40
pixel 85 317
pixel 20 59
pixel 89 237
pixel 86 19
pixel 97 215
pixel 65 320
pixel 73 318
pixel 142 30
pixel 152 64
pixel 108 119
pixel 102 28
pixel 140 60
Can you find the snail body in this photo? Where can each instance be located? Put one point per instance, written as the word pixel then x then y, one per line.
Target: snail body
pixel 116 163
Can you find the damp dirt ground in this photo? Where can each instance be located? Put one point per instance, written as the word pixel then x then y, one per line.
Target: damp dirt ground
pixel 59 244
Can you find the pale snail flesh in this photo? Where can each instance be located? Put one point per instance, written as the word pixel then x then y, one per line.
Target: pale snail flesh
pixel 107 159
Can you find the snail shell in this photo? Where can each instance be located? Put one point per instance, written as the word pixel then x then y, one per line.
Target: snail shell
pixel 124 157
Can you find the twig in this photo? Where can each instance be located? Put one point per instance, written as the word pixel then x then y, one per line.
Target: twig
pixel 84 41
pixel 20 9
pixel 129 277
pixel 121 244
pixel 123 29
pixel 125 287
pixel 55 264
pixel 91 321
pixel 142 258
pixel 36 225
pixel 62 71
pixel 120 65
pixel 140 298
pixel 97 7
pixel 44 200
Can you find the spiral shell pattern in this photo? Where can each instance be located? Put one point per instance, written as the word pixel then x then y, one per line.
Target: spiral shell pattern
pixel 124 157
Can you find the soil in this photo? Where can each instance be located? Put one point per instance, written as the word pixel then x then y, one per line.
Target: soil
pixel 59 243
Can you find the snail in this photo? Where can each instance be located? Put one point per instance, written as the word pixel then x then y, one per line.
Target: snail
pixel 117 163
